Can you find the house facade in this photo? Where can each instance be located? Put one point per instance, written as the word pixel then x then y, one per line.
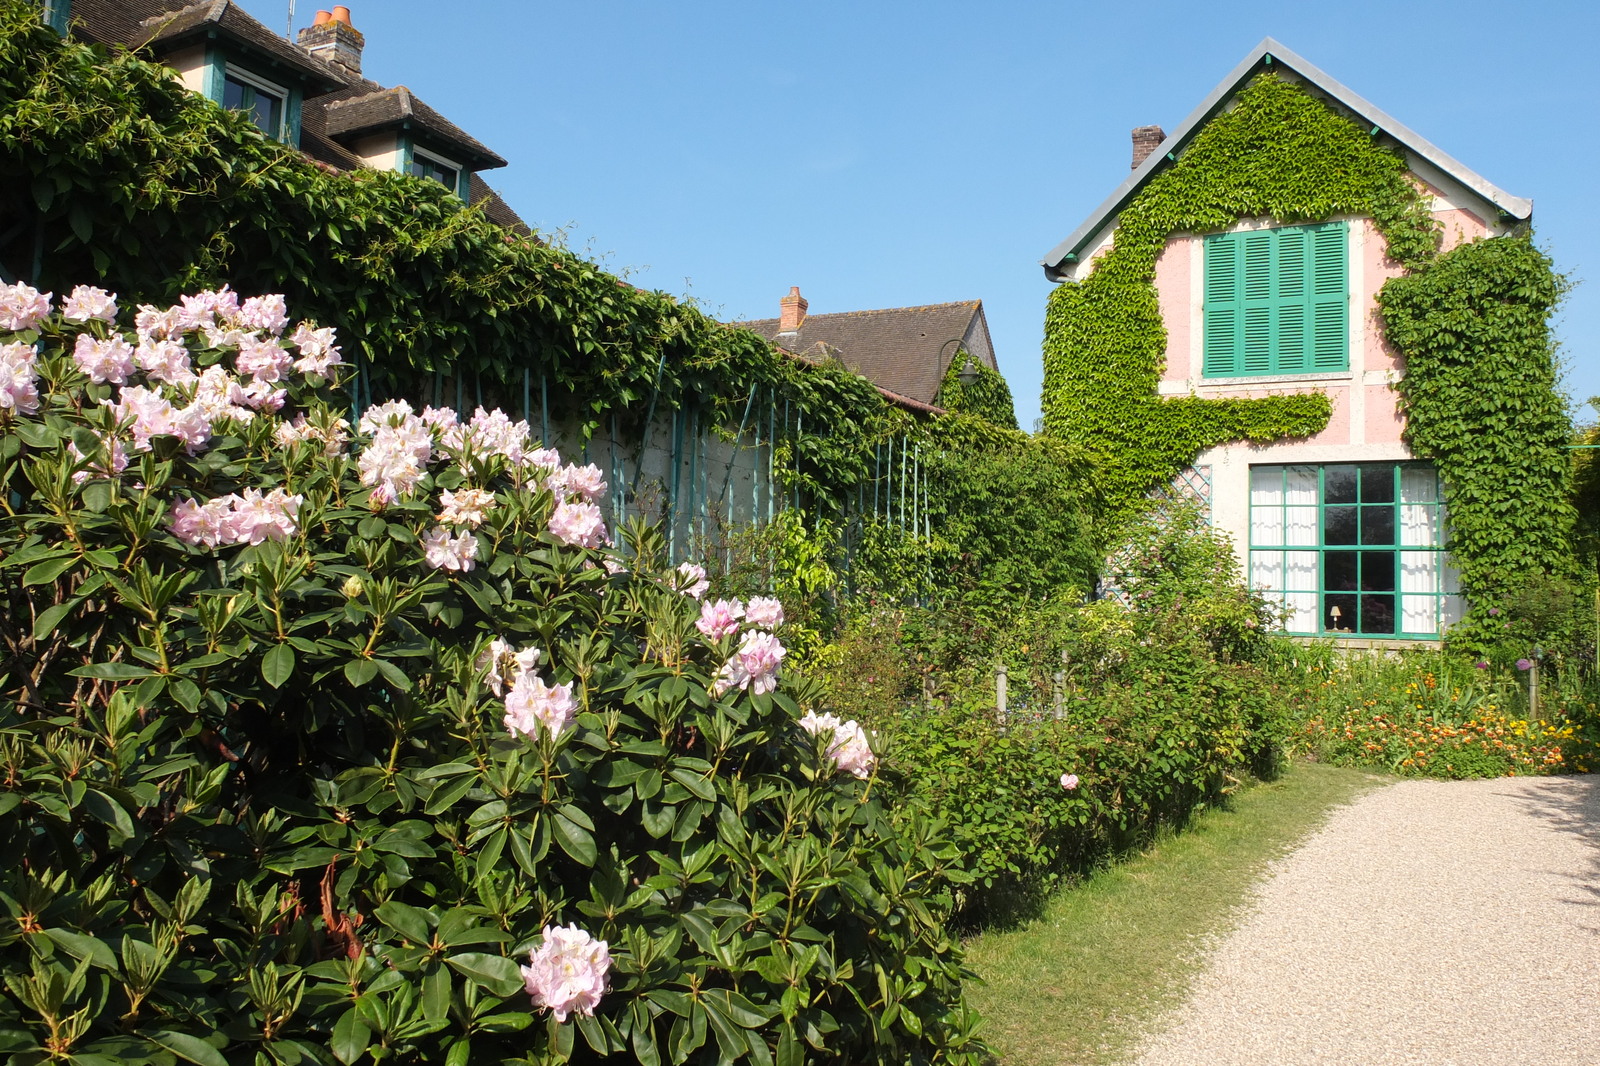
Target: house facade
pixel 1345 529
pixel 308 93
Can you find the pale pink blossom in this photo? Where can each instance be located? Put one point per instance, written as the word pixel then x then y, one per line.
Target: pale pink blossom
pixel 160 324
pixel 263 360
pixel 579 525
pixel 530 703
pixel 691 580
pixel 149 414
pixel 765 612
pixel 444 552
pixel 223 335
pixel 581 482
pixel 19 391
pixel 219 395
pixel 109 360
pixel 22 306
pixel 547 460
pixel 503 665
pixel 567 973
pixel 267 313
pixel 753 665
pixel 720 619
pixel 262 396
pixel 318 352
pixel 258 518
pixel 465 507
pixel 847 742
pixel 207 524
pixel 494 433
pixel 164 360
pixel 442 420
pixel 202 310
pixel 1069 781
pixel 332 436
pixel 88 303
pixel 391 413
pixel 397 456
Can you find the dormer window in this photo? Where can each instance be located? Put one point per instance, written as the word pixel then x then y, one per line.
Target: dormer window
pixel 261 100
pixel 424 164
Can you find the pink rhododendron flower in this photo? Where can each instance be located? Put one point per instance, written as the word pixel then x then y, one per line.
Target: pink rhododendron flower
pixel 397 456
pixel 582 482
pixel 318 353
pixel 547 460
pixel 266 313
pixel 504 665
pixel 154 324
pixel 692 580
pixel 444 552
pixel 152 415
pixel 88 303
pixel 580 525
pixel 257 518
pixel 1069 781
pixel 847 742
pixel 219 395
pixel 104 361
pixel 720 619
pixel 753 665
pixel 22 306
pixel 764 611
pixel 567 973
pixel 19 391
pixel 391 413
pixel 206 524
pixel 263 360
pixel 332 436
pixel 531 703
pixel 465 507
pixel 164 360
pixel 261 396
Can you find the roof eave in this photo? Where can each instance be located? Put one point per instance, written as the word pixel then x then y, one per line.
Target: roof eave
pixel 306 68
pixel 1265 54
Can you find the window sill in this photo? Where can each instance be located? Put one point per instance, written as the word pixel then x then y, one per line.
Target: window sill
pixel 1255 379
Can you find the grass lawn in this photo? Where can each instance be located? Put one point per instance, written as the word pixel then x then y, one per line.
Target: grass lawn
pixel 1110 953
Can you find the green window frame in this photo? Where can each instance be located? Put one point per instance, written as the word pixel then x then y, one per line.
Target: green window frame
pixel 1354 549
pixel 1277 301
pixel 57 14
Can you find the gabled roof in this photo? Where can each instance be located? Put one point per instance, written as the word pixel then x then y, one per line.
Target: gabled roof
pixel 396 107
pixel 1270 55
pixel 902 350
pixel 226 19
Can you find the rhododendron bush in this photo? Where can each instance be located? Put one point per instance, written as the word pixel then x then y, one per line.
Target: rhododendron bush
pixel 331 741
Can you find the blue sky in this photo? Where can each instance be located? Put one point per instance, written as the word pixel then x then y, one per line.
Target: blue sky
pixel 895 154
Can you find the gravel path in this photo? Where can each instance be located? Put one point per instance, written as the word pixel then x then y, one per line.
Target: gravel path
pixel 1429 922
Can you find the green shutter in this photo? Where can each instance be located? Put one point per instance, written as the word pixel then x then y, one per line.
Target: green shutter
pixel 1221 308
pixel 1276 301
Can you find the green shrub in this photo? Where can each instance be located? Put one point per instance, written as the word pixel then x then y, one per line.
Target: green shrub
pixel 272 801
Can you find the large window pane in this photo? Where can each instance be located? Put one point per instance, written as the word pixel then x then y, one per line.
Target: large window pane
pixel 1339 484
pixel 1339 571
pixel 1377 571
pixel 1339 525
pixel 1377 614
pixel 1377 484
pixel 1377 525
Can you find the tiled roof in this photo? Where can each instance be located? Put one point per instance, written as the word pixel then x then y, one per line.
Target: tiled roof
pixel 399 106
pixel 162 25
pixel 903 350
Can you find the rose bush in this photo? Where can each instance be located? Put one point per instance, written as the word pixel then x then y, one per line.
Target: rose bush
pixel 329 742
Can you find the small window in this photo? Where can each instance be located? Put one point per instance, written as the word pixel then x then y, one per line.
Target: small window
pixel 427 165
pixel 261 100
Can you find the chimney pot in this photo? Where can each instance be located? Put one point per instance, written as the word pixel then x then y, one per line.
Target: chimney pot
pixel 333 40
pixel 1146 139
pixel 791 311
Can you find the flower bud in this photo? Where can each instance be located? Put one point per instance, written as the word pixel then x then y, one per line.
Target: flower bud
pixel 352 587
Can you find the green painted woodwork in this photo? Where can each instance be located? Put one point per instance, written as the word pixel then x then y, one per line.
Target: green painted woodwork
pixel 1277 301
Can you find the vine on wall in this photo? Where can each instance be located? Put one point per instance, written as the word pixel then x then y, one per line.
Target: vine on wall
pixel 1280 153
pixel 988 397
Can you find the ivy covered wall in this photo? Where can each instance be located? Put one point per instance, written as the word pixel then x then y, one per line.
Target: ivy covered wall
pixel 1479 392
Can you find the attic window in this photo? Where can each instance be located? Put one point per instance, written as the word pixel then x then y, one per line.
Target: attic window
pixel 425 164
pixel 261 100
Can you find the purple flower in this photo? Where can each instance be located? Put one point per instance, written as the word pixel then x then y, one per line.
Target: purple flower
pixel 1494 612
pixel 1524 664
pixel 1482 664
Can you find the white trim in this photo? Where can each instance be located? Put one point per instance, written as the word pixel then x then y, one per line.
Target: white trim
pixel 255 81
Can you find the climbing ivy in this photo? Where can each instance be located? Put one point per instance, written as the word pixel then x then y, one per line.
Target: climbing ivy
pixel 1481 402
pixel 111 170
pixel 1280 153
pixel 989 397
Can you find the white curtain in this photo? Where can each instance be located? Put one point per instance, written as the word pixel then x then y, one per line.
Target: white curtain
pixel 1300 599
pixel 1266 507
pixel 1419 587
pixel 1421 518
pixel 1302 486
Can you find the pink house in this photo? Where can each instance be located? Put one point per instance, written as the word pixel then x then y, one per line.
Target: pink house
pixel 1345 529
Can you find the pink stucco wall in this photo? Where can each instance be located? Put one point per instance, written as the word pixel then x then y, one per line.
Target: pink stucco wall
pixel 1373 362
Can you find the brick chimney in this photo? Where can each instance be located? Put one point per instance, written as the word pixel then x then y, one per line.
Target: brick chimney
pixel 331 38
pixel 1146 139
pixel 791 311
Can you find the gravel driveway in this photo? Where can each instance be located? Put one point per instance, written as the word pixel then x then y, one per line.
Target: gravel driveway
pixel 1429 922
